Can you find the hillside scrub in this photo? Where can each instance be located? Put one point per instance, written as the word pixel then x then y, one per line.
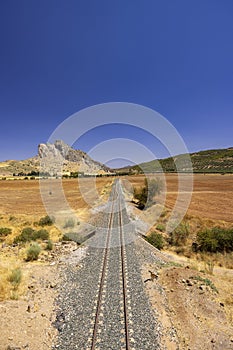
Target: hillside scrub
pixel 28 234
pixel 215 240
pixel 46 221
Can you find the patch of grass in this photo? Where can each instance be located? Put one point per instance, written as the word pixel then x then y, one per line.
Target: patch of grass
pixel 69 223
pixel 206 281
pixel 14 295
pixel 49 245
pixel 161 227
pixel 172 263
pixel 33 252
pixel 209 267
pixel 15 278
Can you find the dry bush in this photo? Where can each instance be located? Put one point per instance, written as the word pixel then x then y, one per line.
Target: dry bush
pixel 15 277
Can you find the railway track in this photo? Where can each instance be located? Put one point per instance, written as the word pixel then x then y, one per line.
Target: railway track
pixel 113 255
pixel 102 303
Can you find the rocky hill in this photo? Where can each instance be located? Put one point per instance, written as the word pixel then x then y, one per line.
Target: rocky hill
pixel 52 156
pixel 210 161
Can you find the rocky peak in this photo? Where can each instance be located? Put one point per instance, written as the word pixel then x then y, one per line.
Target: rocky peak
pixel 61 152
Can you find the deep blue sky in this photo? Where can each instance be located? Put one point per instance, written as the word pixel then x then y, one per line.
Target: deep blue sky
pixel 58 57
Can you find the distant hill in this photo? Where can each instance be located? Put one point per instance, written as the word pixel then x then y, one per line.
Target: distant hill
pixel 72 160
pixel 210 161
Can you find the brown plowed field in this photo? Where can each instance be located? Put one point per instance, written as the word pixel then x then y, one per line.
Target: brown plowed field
pixel 23 196
pixel 212 195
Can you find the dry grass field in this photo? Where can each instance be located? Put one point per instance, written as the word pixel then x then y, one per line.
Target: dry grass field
pixel 21 207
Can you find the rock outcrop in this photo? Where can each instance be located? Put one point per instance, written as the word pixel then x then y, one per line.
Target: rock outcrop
pixel 57 158
pixel 60 155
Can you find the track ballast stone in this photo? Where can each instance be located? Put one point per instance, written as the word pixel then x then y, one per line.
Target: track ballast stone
pixel 79 291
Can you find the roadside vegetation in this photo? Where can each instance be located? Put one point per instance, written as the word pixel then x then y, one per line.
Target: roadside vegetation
pixel 145 195
pixel 33 252
pixel 205 241
pixel 23 240
pixel 156 239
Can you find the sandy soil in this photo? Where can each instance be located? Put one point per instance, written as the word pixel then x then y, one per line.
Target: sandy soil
pixel 27 323
pixel 192 314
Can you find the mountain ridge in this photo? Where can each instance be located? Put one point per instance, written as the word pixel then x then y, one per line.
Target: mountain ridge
pixel 206 161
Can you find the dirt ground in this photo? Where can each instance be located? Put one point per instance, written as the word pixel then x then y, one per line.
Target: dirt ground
pixel 26 323
pixel 23 196
pixel 212 195
pixel 194 313
pixel 200 317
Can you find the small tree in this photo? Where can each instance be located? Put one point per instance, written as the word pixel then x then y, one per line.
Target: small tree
pixel 145 195
pixel 179 236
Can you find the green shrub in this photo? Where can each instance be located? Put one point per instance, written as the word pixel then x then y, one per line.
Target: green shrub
pixel 69 223
pixel 49 245
pixel 15 277
pixel 4 231
pixel 33 252
pixel 156 239
pixel 27 235
pixel 41 234
pixel 215 240
pixel 46 221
